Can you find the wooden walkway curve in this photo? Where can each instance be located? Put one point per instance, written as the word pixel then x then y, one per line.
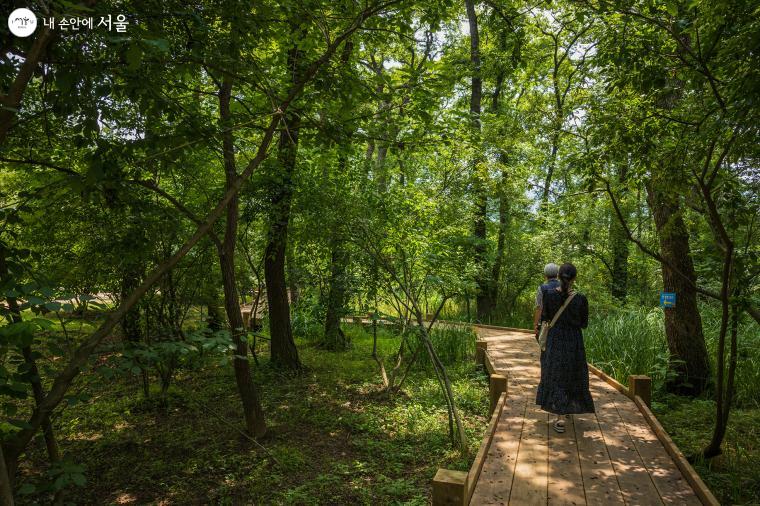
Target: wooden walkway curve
pixel 611 457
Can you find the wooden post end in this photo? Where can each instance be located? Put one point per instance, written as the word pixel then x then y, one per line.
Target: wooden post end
pixel 498 384
pixel 246 318
pixel 642 386
pixel 480 351
pixel 449 488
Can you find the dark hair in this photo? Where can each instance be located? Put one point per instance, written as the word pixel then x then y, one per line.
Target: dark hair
pixel 567 273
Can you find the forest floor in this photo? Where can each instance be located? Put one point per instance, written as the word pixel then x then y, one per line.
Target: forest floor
pixel 734 476
pixel 332 439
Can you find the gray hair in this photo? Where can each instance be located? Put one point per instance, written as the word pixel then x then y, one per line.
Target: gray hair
pixel 551 270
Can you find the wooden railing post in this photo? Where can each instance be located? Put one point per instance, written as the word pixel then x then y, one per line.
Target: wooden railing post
pixel 480 351
pixel 449 488
pixel 497 385
pixel 642 386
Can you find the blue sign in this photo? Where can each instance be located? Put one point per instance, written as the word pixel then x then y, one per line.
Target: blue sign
pixel 667 299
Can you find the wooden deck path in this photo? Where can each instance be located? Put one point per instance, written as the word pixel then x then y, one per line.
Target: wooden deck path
pixel 610 457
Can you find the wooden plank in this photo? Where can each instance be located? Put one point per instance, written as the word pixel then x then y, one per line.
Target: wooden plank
pixel 599 481
pixel 495 480
pixel 565 481
pixel 634 480
pixel 670 483
pixel 530 481
pixel 485 445
pixel 699 487
pixel 489 363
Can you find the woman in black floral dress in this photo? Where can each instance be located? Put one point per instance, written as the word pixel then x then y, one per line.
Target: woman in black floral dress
pixel 563 389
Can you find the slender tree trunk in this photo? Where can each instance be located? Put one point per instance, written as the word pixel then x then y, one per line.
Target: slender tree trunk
pixel 683 324
pixel 619 246
pixel 484 302
pixel 500 240
pixel 550 171
pixel 10 102
pixel 335 338
pixel 283 349
pixel 294 291
pixel 130 324
pixel 723 397
pixel 503 204
pixel 559 115
pixel 215 319
pixel 252 410
pixel 38 393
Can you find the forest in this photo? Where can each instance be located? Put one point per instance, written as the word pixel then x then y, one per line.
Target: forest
pixel 230 231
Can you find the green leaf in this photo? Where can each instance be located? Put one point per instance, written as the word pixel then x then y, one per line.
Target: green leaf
pixel 53 306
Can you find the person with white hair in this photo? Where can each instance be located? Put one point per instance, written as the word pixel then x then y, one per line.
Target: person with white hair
pixel 551 270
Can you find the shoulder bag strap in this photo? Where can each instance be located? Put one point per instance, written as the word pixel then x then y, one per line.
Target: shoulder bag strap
pixel 558 313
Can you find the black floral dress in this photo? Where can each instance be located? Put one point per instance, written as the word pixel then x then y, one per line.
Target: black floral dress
pixel 564 372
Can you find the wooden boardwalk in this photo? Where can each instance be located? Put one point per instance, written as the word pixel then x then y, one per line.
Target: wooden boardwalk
pixel 610 457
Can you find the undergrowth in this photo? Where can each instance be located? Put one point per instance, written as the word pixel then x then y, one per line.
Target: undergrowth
pixel 332 439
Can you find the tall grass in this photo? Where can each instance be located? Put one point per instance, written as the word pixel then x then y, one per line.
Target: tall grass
pixel 632 341
pixel 453 343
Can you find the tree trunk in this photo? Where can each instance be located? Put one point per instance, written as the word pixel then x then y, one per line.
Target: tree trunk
pixel 6 489
pixel 500 240
pixel 130 324
pixel 503 204
pixel 683 324
pixel 293 286
pixel 619 247
pixel 484 302
pixel 283 349
pixel 335 338
pixel 51 444
pixel 254 414
pixel 550 171
pixel 10 102
pixel 214 319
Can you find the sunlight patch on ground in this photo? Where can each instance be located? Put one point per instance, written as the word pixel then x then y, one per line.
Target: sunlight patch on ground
pixel 82 436
pixel 126 498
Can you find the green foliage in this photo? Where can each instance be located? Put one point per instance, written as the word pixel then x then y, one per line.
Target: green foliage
pixel 115 155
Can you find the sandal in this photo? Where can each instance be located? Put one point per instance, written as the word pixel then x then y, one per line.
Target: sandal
pixel 559 426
